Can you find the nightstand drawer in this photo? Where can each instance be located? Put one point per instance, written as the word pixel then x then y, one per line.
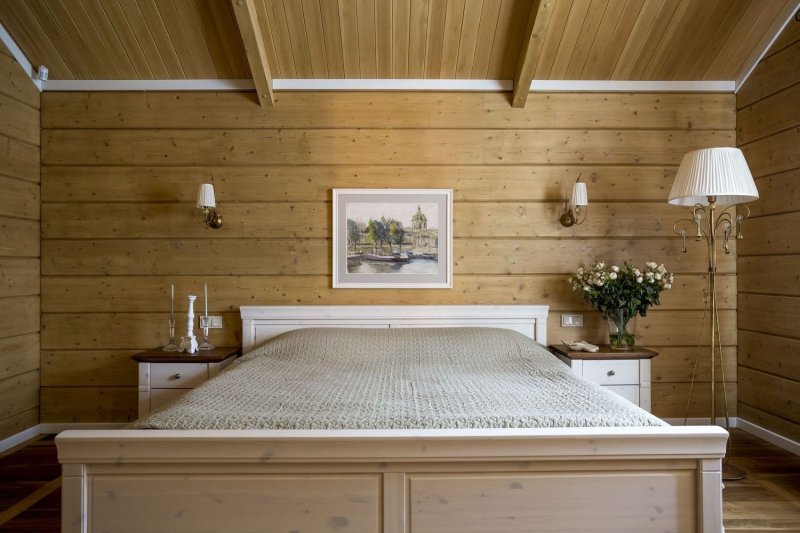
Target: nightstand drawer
pixel 177 375
pixel 161 397
pixel 625 373
pixel 611 372
pixel 629 392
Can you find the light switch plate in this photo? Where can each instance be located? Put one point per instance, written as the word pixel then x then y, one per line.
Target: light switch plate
pixel 571 321
pixel 215 321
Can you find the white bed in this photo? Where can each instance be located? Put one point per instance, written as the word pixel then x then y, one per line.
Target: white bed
pixel 394 481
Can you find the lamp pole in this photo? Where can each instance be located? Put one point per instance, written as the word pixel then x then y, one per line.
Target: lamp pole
pixel 730 224
pixel 712 289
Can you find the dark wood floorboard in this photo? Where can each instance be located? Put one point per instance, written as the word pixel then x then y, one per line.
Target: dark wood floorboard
pixel 768 500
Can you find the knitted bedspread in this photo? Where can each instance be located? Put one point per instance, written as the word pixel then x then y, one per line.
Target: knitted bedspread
pixel 338 378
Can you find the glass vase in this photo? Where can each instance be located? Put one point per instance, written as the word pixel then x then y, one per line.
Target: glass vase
pixel 621 330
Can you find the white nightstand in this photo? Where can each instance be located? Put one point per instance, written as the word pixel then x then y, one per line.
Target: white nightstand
pixel 625 372
pixel 164 376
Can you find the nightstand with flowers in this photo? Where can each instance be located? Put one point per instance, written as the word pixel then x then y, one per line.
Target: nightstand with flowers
pixel 620 293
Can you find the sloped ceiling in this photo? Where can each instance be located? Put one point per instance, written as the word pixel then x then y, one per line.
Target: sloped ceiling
pixel 128 39
pixel 437 39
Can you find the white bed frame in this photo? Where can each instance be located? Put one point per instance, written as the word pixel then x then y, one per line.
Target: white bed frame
pixel 393 481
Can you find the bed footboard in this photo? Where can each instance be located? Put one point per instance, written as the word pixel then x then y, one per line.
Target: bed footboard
pixel 393 481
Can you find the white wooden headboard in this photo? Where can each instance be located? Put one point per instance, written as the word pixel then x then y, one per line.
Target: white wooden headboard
pixel 260 322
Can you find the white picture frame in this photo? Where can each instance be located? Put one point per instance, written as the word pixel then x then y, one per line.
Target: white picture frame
pixel 395 238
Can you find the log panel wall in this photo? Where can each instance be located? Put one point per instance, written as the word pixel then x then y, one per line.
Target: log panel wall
pixel 19 248
pixel 768 131
pixel 120 174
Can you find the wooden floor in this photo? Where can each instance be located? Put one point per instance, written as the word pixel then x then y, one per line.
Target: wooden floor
pixel 767 500
pixel 30 488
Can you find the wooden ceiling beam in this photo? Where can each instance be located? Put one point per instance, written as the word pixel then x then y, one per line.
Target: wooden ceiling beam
pixel 531 48
pixel 247 20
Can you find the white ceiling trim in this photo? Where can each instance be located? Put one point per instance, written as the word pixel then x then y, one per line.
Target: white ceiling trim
pixel 631 86
pixel 279 85
pixel 389 85
pixel 149 85
pixel 19 57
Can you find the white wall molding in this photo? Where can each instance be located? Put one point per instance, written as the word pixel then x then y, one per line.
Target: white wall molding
pixel 149 85
pixel 770 436
pixel 390 85
pixel 48 428
pixel 733 421
pixel 19 438
pixel 631 86
pixel 19 56
pixel 756 430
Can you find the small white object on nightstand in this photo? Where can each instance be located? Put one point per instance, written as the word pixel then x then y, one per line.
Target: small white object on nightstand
pixel 189 342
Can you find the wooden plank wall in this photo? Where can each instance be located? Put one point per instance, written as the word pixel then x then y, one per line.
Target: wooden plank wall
pixel 19 248
pixel 120 175
pixel 768 131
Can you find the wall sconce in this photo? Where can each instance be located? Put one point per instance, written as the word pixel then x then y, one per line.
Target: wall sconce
pixel 580 204
pixel 207 203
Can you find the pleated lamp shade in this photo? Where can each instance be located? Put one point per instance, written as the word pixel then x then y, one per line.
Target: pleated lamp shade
pixel 720 172
pixel 579 196
pixel 205 196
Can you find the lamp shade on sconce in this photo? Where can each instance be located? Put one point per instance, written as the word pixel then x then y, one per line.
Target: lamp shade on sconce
pixel 579 196
pixel 719 172
pixel 205 196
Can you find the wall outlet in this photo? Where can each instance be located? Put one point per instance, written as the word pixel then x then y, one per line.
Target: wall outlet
pixel 215 322
pixel 571 321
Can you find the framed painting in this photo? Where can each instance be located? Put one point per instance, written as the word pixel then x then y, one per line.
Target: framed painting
pixel 392 238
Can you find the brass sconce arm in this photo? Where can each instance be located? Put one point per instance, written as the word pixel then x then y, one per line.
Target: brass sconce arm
pixel 572 217
pixel 212 216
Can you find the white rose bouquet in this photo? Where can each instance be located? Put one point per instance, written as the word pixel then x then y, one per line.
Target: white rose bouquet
pixel 621 293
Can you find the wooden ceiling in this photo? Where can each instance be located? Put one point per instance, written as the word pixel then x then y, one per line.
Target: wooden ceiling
pixel 439 39
pixel 466 39
pixel 128 39
pixel 481 39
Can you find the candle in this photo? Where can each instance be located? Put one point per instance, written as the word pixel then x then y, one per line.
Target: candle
pixel 206 285
pixel 172 305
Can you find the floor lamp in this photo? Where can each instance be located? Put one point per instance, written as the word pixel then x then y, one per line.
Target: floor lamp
pixel 707 179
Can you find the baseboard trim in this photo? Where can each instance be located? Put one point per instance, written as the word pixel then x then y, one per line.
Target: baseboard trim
pixel 19 438
pixel 733 421
pixel 50 427
pixel 770 436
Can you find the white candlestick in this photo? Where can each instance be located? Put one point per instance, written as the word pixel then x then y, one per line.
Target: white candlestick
pixel 172 305
pixel 190 316
pixel 189 342
pixel 206 286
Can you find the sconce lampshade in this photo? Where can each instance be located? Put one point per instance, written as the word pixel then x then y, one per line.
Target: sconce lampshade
pixel 720 172
pixel 579 196
pixel 205 196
